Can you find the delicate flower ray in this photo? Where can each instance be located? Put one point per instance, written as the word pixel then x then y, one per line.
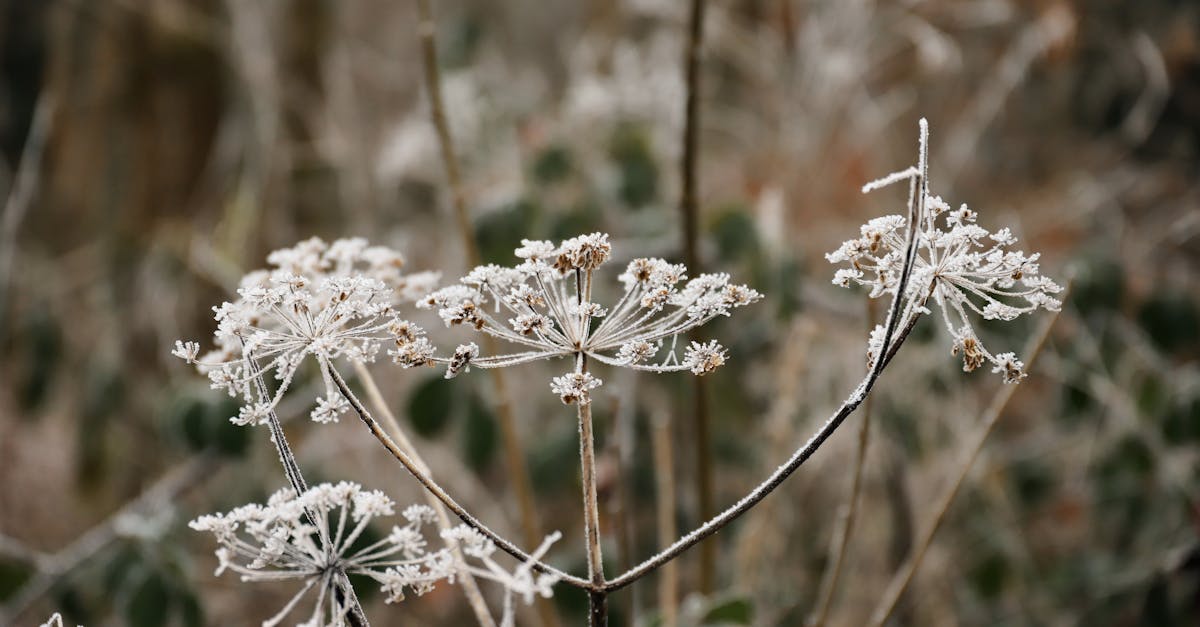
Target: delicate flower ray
pixel 331 301
pixel 963 266
pixel 544 304
pixel 277 542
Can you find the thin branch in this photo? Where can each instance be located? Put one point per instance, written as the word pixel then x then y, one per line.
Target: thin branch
pixel 24 185
pixel 54 567
pixel 467 581
pixel 514 453
pixel 430 485
pixel 688 206
pixel 664 483
pixel 891 343
pixel 291 469
pixel 841 543
pixel 902 579
pixel 597 599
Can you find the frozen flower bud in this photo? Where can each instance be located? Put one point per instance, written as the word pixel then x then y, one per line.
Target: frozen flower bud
pixel 529 324
pixel 1011 367
pixel 535 250
pixel 461 361
pixel 636 352
pixel 187 351
pixel 252 414
pixel 702 359
pixel 575 387
pixel 585 252
pixel 329 408
pixel 418 352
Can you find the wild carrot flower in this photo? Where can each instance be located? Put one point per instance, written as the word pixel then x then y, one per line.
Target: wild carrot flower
pixel 544 304
pixel 312 538
pixel 330 301
pixel 961 265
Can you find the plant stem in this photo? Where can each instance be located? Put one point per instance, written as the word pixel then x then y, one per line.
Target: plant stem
pixel 664 480
pixel 469 586
pixel 689 209
pixel 902 579
pixel 841 542
pixel 291 469
pixel 429 484
pixel 889 347
pixel 514 453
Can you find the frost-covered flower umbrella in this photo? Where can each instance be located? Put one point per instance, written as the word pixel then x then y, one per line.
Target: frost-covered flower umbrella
pixel 280 542
pixel 963 266
pixel 545 305
pixel 330 301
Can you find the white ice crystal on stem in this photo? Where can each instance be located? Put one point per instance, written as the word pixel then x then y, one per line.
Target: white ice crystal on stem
pixel 278 542
pixel 329 301
pixel 545 305
pixel 961 265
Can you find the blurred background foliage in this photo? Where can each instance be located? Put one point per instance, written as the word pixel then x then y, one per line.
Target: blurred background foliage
pixel 170 144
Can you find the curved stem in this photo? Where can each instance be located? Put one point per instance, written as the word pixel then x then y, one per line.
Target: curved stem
pixel 916 208
pixel 514 453
pixel 470 587
pixel 903 578
pixel 435 489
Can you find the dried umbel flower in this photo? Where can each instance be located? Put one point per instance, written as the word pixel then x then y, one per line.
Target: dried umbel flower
pixel 961 265
pixel 311 537
pixel 279 541
pixel 330 301
pixel 545 305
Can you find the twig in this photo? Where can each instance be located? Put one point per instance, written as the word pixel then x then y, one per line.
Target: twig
pixel 467 581
pixel 902 579
pixel 429 484
pixel 514 453
pixel 841 542
pixel 61 563
pixel 690 214
pixel 597 599
pixel 24 184
pixel 291 469
pixel 891 343
pixel 664 483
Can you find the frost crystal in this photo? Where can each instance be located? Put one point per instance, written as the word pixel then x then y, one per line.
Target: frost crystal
pixel 961 265
pixel 279 541
pixel 545 305
pixel 330 301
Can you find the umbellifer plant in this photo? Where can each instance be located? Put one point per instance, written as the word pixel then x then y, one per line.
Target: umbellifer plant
pixel 341 303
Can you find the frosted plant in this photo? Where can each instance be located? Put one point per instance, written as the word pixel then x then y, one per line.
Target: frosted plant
pixel 330 301
pixel 522 581
pixel 280 541
pixel 55 620
pixel 545 305
pixel 963 266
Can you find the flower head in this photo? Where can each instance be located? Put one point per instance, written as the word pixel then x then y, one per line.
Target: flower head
pixel 328 301
pixel 280 541
pixel 961 265
pixel 545 305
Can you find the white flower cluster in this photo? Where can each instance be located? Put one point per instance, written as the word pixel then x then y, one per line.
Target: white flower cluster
pixel 544 304
pixel 279 541
pixel 961 265
pixel 331 301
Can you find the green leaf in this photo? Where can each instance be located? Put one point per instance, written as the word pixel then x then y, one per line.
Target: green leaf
pixel 736 234
pixel 552 165
pixel 150 603
pixel 43 347
pixel 430 406
pixel 730 612
pixel 479 435
pixel 630 150
pixel 1172 320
